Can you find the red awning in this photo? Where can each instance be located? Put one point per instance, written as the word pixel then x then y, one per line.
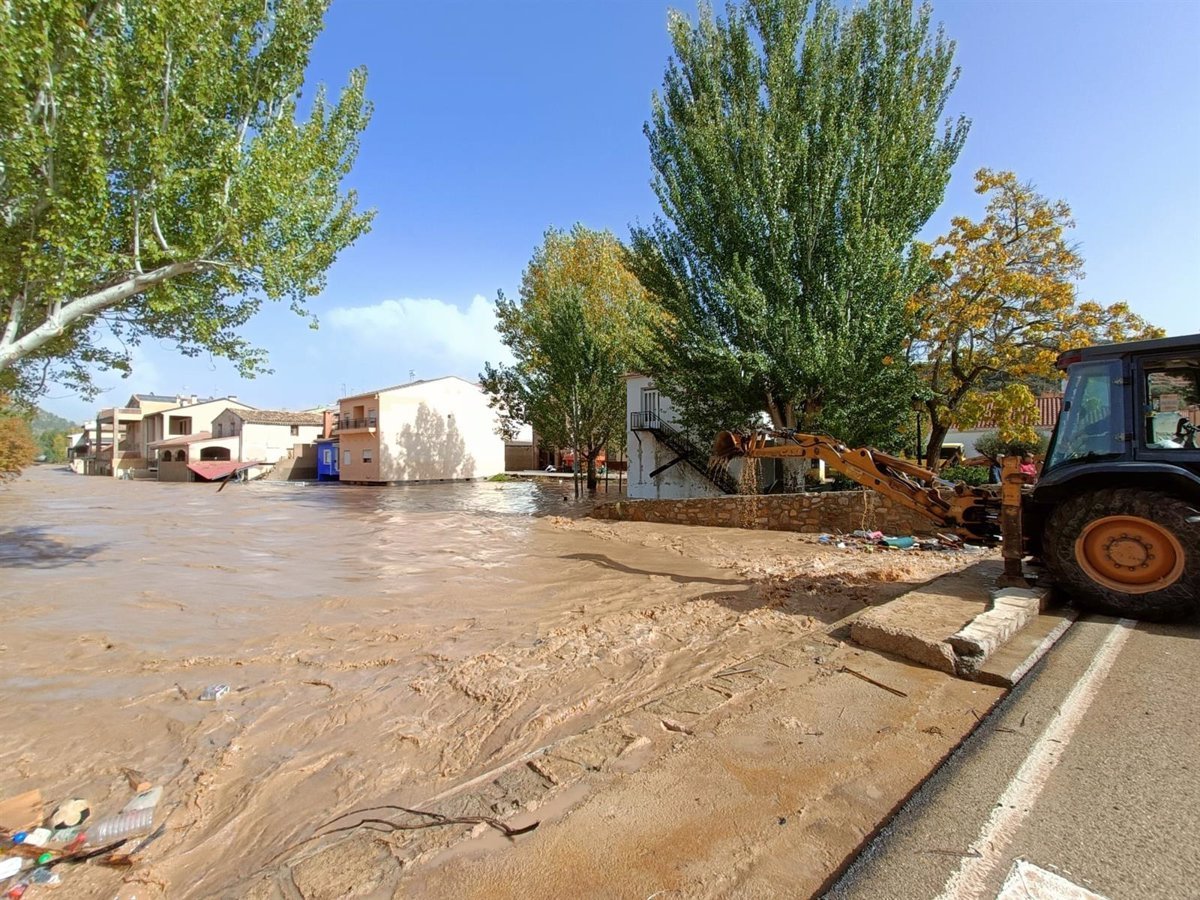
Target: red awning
pixel 215 468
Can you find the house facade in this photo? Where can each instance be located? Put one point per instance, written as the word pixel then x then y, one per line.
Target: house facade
pixel 180 437
pixel 664 463
pixel 267 435
pixel 189 417
pixel 328 459
pixel 119 438
pixel 440 429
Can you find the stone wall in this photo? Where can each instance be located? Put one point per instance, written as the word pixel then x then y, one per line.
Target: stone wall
pixel 833 512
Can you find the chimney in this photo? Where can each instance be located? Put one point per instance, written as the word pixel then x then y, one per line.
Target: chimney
pixel 327 424
pixel 192 400
pixel 233 397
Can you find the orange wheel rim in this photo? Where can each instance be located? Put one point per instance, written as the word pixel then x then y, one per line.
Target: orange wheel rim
pixel 1130 554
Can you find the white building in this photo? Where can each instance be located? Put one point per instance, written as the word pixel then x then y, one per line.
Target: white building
pixel 436 430
pixel 664 464
pixel 266 435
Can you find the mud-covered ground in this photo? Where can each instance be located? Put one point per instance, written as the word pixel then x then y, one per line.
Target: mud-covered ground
pixel 381 645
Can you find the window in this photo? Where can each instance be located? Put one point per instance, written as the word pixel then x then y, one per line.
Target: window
pixel 295 430
pixel 180 425
pixel 327 456
pixel 1092 423
pixel 367 455
pixel 345 457
pixel 1172 405
pixel 371 418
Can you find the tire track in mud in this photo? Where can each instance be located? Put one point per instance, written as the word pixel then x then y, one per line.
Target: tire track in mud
pixel 518 789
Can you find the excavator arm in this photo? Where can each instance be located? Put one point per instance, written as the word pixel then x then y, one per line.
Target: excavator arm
pixel 971 513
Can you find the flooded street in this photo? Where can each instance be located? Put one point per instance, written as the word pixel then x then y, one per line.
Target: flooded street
pixel 381 644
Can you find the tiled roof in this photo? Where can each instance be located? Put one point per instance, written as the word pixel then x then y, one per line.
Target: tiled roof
pixel 156 398
pixel 182 440
pixel 1049 405
pixel 278 417
pixel 217 468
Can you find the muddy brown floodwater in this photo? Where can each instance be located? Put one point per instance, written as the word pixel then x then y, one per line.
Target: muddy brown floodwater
pixel 382 644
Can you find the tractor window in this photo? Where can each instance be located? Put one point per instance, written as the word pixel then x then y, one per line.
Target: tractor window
pixel 1172 412
pixel 1093 415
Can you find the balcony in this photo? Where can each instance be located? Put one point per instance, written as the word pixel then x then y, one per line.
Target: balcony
pixel 348 424
pixel 125 413
pixel 646 420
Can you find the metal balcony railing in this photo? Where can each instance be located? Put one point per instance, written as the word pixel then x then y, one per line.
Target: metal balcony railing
pixel 348 422
pixel 646 420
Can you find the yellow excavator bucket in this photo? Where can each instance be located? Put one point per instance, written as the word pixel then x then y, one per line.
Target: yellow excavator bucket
pixel 728 445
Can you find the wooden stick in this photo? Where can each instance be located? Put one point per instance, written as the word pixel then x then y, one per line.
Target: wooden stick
pixel 868 680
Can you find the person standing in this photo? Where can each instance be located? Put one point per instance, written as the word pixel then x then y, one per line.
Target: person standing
pixel 1029 467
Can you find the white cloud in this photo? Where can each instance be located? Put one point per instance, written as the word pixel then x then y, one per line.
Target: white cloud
pixel 430 336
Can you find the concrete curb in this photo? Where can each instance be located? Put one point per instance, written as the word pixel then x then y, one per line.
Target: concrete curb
pixel 1006 633
pixel 1011 610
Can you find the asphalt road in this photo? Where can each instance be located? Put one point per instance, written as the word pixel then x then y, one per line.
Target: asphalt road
pixel 1089 771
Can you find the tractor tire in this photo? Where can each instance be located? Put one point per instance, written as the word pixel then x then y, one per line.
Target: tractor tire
pixel 1126 552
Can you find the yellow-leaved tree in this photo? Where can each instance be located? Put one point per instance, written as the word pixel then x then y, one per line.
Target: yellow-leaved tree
pixel 1000 307
pixel 579 324
pixel 17 447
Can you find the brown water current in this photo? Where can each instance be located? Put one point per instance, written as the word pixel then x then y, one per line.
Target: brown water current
pixel 381 644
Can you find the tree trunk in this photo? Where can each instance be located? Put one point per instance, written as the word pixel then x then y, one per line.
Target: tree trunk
pixel 591 471
pixel 937 436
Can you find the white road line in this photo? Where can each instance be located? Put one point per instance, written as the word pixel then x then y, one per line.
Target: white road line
pixel 1022 792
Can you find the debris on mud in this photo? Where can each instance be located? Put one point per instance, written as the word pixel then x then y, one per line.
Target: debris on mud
pixel 34 843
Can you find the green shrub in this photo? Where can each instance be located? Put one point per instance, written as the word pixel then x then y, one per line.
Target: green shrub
pixel 972 475
pixel 993 446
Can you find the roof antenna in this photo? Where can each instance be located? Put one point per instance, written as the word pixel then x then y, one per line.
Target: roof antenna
pixel 412 374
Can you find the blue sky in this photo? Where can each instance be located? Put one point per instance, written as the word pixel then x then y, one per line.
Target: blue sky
pixel 494 121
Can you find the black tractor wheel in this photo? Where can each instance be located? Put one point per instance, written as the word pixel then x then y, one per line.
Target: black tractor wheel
pixel 1126 552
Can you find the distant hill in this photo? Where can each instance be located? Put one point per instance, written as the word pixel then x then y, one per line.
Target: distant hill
pixel 44 421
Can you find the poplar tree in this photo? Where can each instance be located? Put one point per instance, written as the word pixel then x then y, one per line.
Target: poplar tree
pixel 797 150
pixel 158 180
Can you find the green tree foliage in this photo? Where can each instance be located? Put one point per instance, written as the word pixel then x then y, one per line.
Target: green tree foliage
pixel 994 445
pixel 156 180
pixel 574 332
pixel 797 149
pixel 17 447
pixel 53 446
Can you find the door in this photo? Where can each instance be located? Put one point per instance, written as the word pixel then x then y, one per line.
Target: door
pixel 650 407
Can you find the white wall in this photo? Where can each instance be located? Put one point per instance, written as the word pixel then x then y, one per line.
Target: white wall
pixel 440 430
pixel 967 438
pixel 271 443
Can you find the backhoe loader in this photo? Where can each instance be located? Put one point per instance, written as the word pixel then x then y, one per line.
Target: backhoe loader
pixel 1115 513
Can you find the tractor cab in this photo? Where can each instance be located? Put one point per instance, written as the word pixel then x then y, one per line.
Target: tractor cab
pixel 1116 512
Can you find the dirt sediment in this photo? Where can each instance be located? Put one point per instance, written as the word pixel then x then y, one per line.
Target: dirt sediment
pixel 420 648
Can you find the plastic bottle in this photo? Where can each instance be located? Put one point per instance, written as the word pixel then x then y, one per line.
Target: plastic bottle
pixel 116 827
pixel 11 866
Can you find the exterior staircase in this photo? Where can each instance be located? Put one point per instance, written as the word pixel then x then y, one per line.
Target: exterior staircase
pixel 686 451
